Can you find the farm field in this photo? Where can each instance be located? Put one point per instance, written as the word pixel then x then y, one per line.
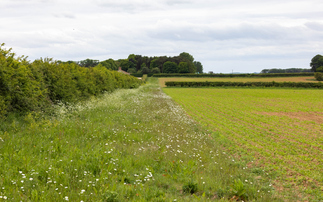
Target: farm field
pixel 276 129
pixel 240 79
pixel 130 145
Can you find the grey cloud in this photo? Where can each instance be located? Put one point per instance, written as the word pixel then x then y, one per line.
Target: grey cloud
pixel 242 31
pixel 315 26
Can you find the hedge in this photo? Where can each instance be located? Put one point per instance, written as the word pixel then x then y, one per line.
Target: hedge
pixel 244 84
pixel 26 86
pixel 236 75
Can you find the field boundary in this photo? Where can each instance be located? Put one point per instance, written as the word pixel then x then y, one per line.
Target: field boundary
pixel 244 84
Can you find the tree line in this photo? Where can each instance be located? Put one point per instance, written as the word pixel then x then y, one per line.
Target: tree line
pixel 289 70
pixel 183 63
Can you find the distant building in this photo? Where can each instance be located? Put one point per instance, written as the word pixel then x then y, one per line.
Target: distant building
pixel 120 70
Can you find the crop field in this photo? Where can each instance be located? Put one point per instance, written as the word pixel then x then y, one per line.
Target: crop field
pixel 276 129
pixel 240 79
pixel 130 145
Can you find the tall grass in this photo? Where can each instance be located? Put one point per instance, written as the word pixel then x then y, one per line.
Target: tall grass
pixel 130 145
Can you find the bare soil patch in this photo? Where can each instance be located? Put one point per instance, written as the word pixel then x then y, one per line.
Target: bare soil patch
pixel 317 117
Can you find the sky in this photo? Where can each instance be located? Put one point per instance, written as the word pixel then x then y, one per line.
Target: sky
pixel 224 35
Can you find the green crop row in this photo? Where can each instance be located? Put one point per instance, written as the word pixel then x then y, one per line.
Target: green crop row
pixel 29 86
pixel 237 75
pixel 244 84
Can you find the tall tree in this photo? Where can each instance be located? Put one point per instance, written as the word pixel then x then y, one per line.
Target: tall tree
pixel 183 67
pixel 316 62
pixel 187 56
pixel 88 63
pixel 109 64
pixel 170 67
pixel 199 67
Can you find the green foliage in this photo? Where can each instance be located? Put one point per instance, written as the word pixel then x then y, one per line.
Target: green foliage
pixel 109 64
pixel 190 187
pixel 125 64
pixel 289 70
pixel 20 90
pixel 316 62
pixel 36 86
pixel 198 66
pixel 110 196
pixel 88 63
pixel 183 67
pixel 170 67
pixel 155 70
pixel 145 70
pixel 318 76
pixel 239 191
pixel 187 56
pixel 154 64
pixel 132 70
pixel 319 69
pixel 3 107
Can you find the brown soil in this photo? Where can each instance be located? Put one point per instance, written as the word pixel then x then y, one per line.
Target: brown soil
pixel 317 117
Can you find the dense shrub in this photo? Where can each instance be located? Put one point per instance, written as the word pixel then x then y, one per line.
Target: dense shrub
pixel 19 88
pixel 246 84
pixel 26 86
pixel 155 70
pixel 132 70
pixel 318 76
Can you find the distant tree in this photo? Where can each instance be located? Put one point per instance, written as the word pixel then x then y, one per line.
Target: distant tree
pixel 132 70
pixel 289 70
pixel 143 65
pixel 316 62
pixel 109 64
pixel 187 56
pixel 155 70
pixel 198 66
pixel 170 67
pixel 153 63
pixel 88 63
pixel 132 60
pixel 125 64
pixel 265 71
pixel 183 67
pixel 145 70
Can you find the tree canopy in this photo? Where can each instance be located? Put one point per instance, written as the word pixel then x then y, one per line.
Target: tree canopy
pixel 170 67
pixel 198 66
pixel 317 63
pixel 289 70
pixel 139 63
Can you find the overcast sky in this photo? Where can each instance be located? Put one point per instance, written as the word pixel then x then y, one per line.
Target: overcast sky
pixel 224 35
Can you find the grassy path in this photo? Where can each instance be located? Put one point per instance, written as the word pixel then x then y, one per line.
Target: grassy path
pixel 131 145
